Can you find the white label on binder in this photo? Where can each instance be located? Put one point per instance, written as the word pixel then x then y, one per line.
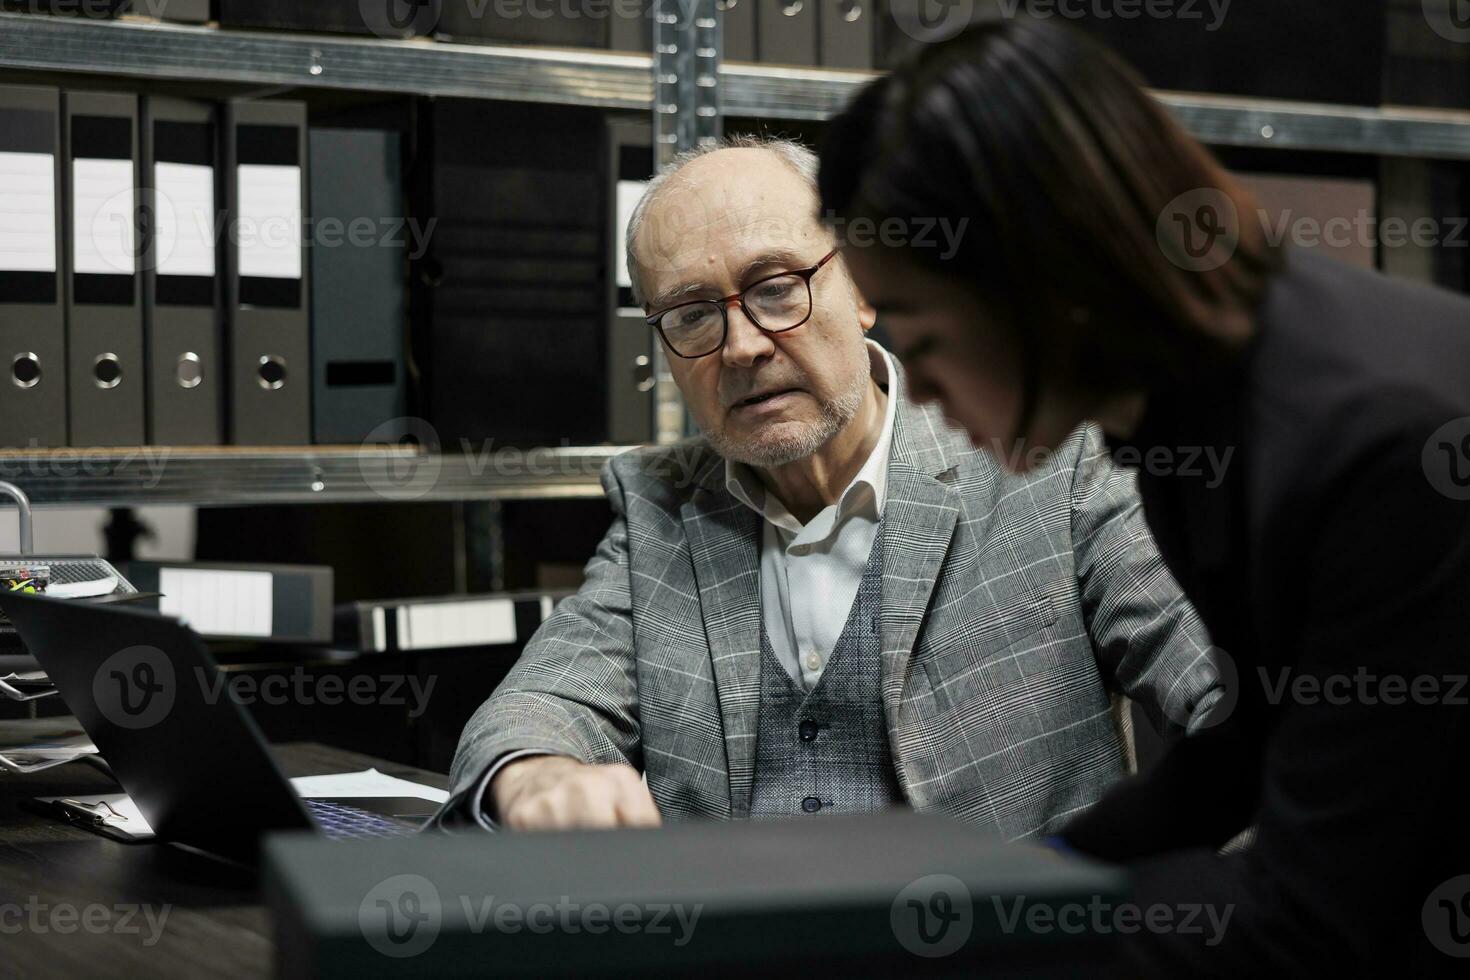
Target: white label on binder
pixel 27 212
pixel 183 219
pixel 456 624
pixel 630 192
pixel 268 226
pixel 103 215
pixel 218 602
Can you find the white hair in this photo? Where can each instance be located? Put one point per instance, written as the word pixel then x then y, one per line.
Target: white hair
pixel 801 159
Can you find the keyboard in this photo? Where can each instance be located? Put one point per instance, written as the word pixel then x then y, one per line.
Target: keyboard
pixel 340 822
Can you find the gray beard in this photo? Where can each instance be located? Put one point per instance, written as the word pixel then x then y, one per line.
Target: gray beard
pixel 769 451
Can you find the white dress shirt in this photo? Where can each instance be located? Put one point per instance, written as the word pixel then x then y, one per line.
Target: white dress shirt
pixel 810 573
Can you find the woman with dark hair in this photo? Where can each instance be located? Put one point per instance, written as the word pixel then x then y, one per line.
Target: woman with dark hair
pixel 1110 269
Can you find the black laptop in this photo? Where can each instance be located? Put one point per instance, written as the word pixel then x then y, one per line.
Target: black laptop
pixel 147 692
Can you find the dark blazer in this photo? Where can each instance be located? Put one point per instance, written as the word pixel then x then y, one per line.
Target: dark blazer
pixel 1333 565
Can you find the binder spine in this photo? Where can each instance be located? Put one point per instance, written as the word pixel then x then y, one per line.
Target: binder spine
pixel 33 400
pixel 267 276
pixel 104 307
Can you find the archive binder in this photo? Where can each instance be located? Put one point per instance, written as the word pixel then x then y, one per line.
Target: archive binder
pixel 267 279
pixel 630 351
pixel 181 308
pixel 737 29
pixel 845 33
pixel 359 291
pixel 32 314
pixel 104 304
pixel 787 32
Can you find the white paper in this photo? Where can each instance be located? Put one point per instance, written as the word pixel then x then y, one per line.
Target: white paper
pixel 269 222
pixel 218 602
pixel 103 214
pixel 630 192
pixel 184 219
pixel 368 783
pixel 474 622
pixel 348 785
pixel 27 212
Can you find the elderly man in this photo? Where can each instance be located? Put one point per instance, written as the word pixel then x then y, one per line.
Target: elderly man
pixel 830 602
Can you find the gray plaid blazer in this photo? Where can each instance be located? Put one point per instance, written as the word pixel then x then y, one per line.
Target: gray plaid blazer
pixel 1013 607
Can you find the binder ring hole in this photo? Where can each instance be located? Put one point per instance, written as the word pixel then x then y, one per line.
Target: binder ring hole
pixel 851 10
pixel 727 4
pixel 791 8
pixel 107 371
pixel 189 370
pixel 25 370
pixel 272 372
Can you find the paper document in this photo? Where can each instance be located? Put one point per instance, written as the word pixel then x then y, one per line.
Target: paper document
pixel 27 212
pixel 103 235
pixel 218 602
pixel 33 744
pixel 123 814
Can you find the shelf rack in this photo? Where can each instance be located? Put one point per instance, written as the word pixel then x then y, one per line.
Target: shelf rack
pixel 133 47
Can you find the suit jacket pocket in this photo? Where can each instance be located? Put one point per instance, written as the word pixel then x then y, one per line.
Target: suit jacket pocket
pixel 973 643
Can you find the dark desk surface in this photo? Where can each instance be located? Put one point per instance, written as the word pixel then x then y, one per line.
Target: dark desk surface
pixel 74 904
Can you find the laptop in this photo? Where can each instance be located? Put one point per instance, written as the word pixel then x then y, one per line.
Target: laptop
pixel 147 692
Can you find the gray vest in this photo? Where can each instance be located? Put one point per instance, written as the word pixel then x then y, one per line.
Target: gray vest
pixel 827 749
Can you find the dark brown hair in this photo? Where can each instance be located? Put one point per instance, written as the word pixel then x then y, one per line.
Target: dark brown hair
pixel 1064 166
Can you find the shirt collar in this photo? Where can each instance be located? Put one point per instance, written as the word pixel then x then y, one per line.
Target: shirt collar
pixel 865 495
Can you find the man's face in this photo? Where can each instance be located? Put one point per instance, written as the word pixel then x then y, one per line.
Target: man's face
pixel 725 221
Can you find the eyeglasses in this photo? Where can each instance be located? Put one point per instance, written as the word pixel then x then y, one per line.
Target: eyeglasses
pixel 776 304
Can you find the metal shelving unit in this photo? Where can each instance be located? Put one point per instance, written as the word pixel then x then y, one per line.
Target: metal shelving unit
pixel 290 475
pixel 142 49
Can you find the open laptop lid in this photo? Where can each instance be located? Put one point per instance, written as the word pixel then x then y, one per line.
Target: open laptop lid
pixel 150 696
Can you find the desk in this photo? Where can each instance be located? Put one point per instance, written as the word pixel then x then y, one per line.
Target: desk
pixel 215 924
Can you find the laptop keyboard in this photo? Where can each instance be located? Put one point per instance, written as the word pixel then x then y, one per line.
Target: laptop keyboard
pixel 340 822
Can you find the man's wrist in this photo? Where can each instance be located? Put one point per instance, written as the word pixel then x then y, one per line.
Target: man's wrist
pixel 484 799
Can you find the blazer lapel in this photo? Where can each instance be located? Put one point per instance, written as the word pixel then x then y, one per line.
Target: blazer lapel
pixel 919 520
pixel 724 542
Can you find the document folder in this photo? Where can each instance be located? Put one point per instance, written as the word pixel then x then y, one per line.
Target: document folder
pixel 104 302
pixel 32 314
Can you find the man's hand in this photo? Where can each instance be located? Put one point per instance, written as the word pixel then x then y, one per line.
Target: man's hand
pixel 553 792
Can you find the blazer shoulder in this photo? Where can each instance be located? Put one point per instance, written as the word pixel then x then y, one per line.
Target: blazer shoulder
pixel 669 474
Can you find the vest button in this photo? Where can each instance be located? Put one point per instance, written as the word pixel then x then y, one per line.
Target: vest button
pixel 811 804
pixel 808 730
